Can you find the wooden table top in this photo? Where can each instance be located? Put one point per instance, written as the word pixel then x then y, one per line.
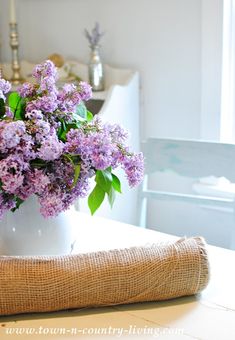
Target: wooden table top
pixel 209 315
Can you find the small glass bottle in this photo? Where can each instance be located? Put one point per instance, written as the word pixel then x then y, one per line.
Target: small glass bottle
pixel 96 70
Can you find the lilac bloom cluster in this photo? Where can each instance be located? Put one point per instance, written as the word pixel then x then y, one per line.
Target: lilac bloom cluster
pixel 102 146
pixel 69 98
pixel 45 151
pixel 5 87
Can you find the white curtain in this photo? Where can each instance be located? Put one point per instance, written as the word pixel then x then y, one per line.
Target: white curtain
pixel 227 131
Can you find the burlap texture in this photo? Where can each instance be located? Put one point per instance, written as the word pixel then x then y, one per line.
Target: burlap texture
pixel 148 273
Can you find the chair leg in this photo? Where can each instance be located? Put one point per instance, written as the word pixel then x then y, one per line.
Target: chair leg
pixel 232 239
pixel 142 204
pixel 143 213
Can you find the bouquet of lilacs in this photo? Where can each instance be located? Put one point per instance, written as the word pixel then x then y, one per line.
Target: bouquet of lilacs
pixel 51 146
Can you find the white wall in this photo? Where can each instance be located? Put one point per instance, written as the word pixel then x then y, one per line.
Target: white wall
pixel 160 38
pixel 211 56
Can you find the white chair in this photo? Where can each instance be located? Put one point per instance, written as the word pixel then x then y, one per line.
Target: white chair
pixel 191 159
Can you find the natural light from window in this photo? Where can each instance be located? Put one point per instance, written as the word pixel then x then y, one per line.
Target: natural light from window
pixel 227 131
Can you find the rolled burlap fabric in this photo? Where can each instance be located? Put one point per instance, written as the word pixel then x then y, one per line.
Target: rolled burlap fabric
pixel 148 273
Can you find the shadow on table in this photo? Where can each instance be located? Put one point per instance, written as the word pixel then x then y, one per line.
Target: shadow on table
pixel 135 307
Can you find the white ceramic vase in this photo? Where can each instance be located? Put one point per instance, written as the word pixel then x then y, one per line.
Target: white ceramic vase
pixel 26 232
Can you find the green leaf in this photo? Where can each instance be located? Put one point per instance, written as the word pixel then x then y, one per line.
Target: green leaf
pixel 89 116
pixel 111 196
pixel 63 124
pixel 61 134
pixel 38 163
pixel 17 105
pixel 2 107
pixel 104 179
pixel 77 169
pixel 75 160
pixel 64 129
pixel 13 100
pixel 18 201
pixel 116 183
pixel 96 198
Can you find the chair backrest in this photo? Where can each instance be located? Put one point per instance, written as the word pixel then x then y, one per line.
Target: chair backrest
pixel 193 159
pixel 190 158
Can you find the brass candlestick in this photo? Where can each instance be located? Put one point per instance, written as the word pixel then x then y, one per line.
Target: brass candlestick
pixel 14 43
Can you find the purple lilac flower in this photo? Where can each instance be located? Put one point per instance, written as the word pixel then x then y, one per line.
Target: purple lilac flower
pixel 85 90
pixel 98 148
pixel 12 182
pixel 5 87
pixel 26 148
pixel 101 152
pixel 68 98
pixel 58 176
pixel 59 195
pixel 44 70
pixel 51 148
pixel 46 75
pixel 54 201
pixel 34 115
pixel 51 203
pixel 47 84
pixel 35 181
pixel 2 143
pixel 27 90
pixel 12 133
pixel 134 168
pixel 15 140
pixel 8 112
pixel 38 180
pixel 44 103
pixel 12 164
pixel 42 130
pixel 6 203
pixel 118 133
pixel 79 191
pixel 95 148
pixel 11 172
